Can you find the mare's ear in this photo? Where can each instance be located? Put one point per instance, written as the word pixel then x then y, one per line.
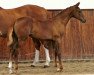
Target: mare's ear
pixel 1 8
pixel 77 4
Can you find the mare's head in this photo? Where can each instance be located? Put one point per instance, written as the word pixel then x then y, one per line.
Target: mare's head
pixel 1 8
pixel 77 13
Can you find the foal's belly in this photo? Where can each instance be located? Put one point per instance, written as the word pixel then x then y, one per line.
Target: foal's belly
pixel 42 35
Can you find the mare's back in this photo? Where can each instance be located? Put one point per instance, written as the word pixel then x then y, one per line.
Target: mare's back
pixel 34 11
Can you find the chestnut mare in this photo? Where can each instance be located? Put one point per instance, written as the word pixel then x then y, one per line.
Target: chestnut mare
pixel 9 16
pixel 52 30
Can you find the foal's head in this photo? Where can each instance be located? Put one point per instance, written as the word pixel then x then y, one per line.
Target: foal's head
pixel 77 13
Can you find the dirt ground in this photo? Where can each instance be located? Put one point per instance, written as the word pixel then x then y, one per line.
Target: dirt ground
pixel 70 68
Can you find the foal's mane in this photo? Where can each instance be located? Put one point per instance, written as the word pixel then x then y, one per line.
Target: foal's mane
pixel 65 11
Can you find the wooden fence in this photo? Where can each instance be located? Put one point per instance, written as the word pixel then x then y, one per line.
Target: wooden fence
pixel 77 44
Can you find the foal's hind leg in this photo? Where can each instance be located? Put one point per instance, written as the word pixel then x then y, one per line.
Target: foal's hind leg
pixel 36 59
pixel 12 44
pixel 9 44
pixel 10 65
pixel 37 48
pixel 47 46
pixel 15 48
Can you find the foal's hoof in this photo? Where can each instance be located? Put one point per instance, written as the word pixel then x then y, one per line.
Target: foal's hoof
pixel 59 69
pixel 46 66
pixel 15 72
pixel 32 65
pixel 55 65
pixel 11 72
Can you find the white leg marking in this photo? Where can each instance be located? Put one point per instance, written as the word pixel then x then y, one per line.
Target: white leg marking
pixel 36 59
pixel 47 56
pixel 10 67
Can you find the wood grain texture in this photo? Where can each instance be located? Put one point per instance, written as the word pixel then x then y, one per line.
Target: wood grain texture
pixel 78 43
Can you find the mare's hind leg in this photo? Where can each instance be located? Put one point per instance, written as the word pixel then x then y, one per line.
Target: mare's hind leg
pixel 37 48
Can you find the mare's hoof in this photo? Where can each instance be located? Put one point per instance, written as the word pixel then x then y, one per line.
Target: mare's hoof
pixel 32 65
pixel 59 69
pixel 46 66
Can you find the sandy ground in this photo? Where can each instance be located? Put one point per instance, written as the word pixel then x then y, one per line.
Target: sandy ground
pixel 70 68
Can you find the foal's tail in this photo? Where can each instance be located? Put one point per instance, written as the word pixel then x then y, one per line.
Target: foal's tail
pixel 10 38
pixel 12 41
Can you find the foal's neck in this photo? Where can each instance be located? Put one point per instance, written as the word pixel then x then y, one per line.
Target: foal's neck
pixel 64 16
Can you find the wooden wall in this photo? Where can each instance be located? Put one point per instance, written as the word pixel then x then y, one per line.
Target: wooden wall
pixel 77 44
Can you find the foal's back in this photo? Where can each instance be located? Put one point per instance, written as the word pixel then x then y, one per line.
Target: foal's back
pixel 22 27
pixel 26 26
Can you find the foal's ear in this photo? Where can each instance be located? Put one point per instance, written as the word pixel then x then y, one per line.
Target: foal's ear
pixel 77 4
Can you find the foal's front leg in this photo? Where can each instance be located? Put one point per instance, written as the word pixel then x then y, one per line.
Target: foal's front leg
pixel 59 42
pixel 55 58
pixel 47 57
